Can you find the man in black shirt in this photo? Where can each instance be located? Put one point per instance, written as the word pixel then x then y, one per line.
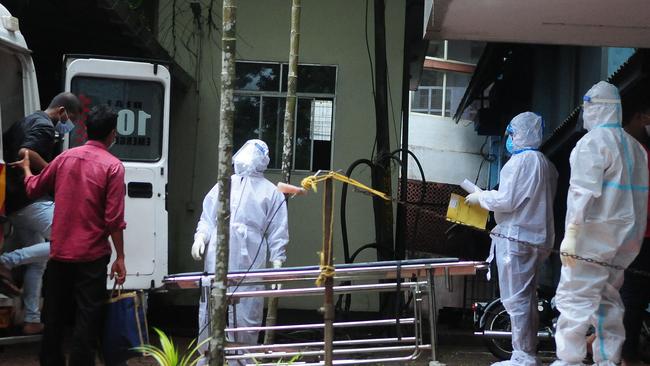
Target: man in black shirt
pixel 32 219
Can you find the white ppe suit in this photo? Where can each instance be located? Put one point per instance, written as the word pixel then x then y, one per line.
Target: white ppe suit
pixel 606 213
pixel 523 209
pixel 258 224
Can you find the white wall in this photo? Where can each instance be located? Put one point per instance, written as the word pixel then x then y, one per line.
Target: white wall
pixel 449 152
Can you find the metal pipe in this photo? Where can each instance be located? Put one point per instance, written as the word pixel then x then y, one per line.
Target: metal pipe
pixel 414 356
pixel 369 350
pixel 313 291
pixel 312 272
pixel 362 323
pixel 542 334
pixel 432 314
pixel 352 342
pixel 357 272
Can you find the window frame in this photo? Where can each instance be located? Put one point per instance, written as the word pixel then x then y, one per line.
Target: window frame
pixel 280 94
pixel 445 90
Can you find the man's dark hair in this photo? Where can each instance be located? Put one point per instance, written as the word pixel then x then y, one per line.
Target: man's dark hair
pixel 101 120
pixel 68 101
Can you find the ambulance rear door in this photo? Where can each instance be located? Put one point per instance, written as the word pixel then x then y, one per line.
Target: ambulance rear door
pixel 139 91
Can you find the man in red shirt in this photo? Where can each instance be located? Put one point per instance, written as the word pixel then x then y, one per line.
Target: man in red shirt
pixel 88 186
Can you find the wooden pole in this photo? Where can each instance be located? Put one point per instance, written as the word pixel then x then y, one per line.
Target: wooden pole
pixel 219 305
pixel 287 149
pixel 328 304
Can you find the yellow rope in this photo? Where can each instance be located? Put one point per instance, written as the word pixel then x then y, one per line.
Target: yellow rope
pixel 310 183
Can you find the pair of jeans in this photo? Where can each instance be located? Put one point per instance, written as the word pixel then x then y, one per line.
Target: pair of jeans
pixel 32 225
pixel 80 286
pixel 636 295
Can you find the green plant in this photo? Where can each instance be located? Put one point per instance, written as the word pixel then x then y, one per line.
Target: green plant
pixel 280 362
pixel 167 354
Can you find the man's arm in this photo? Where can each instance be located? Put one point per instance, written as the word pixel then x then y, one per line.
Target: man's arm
pixel 36 185
pixel 39 140
pixel 118 269
pixel 37 163
pixel 114 219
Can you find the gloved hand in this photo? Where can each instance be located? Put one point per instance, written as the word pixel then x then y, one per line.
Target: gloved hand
pixel 198 248
pixel 276 264
pixel 472 198
pixel 568 245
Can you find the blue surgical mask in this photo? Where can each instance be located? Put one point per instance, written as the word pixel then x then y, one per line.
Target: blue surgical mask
pixel 510 146
pixel 64 127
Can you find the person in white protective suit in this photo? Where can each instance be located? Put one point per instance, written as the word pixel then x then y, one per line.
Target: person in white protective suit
pixel 523 209
pixel 605 220
pixel 258 224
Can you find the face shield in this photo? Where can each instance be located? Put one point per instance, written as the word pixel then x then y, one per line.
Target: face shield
pixel 525 132
pixel 601 105
pixel 252 159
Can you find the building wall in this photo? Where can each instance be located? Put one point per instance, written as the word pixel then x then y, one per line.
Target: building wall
pixel 448 151
pixel 332 33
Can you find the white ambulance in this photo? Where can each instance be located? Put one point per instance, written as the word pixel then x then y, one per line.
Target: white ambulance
pixel 140 92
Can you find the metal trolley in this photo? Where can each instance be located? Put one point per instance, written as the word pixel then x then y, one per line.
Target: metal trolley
pixel 371 277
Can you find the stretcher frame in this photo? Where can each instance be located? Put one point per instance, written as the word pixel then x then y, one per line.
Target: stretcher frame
pixel 299 281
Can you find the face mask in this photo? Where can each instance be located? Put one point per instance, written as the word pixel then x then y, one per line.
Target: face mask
pixel 510 146
pixel 64 127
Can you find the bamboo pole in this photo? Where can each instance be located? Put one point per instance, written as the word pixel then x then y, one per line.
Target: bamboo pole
pixel 287 149
pixel 219 305
pixel 292 85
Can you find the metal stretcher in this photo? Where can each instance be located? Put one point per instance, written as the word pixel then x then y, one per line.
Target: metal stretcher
pixel 416 277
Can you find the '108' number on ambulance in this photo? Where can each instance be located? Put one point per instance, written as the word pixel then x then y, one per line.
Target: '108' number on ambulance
pixel 126 122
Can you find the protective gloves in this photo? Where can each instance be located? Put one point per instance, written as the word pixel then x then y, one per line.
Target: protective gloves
pixel 198 248
pixel 568 245
pixel 277 264
pixel 472 198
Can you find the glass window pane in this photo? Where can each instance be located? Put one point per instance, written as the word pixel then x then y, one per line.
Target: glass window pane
pixel 435 101
pixel 312 79
pixel 431 78
pixel 420 100
pixel 436 49
pixel 456 85
pixel 140 114
pixel 302 150
pixel 257 76
pixel 247 120
pixel 465 51
pixel 322 119
pixel 273 128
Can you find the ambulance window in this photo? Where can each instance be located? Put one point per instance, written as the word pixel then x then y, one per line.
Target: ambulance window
pixel 12 104
pixel 140 114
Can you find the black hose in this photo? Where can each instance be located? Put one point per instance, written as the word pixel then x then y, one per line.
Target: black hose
pixel 424 187
pixel 344 194
pixel 344 198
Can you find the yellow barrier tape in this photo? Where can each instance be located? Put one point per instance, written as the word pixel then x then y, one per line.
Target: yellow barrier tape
pixel 311 181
